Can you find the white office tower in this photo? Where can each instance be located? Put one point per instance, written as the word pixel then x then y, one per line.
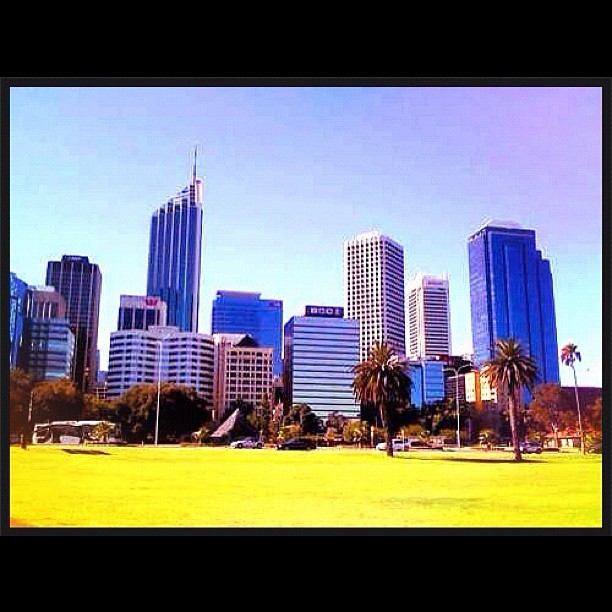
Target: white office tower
pixel 428 316
pixel 161 353
pixel 374 290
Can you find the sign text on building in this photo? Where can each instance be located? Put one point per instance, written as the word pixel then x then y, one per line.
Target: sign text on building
pixel 325 311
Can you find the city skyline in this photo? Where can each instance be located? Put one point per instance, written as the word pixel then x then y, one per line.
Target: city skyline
pixel 291 173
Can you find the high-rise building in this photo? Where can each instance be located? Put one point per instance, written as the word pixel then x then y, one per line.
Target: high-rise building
pixel 17 295
pixel 511 296
pixel 321 349
pixel 243 371
pixel 175 250
pixel 160 354
pixel 140 312
pixel 47 351
pixel 80 283
pixel 374 290
pixel 428 316
pixel 427 378
pixel 241 312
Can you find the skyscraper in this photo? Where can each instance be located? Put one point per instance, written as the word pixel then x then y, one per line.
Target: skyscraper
pixel 511 295
pixel 175 249
pixel 374 290
pixel 241 312
pixel 80 283
pixel 321 348
pixel 428 316
pixel 140 312
pixel 17 295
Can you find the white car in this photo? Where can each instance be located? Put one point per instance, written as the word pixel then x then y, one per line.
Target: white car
pixel 398 445
pixel 247 443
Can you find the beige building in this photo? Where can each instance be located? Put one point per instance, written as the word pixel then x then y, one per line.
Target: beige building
pixel 243 371
pixel 478 389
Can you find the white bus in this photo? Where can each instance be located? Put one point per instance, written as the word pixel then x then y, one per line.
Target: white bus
pixel 73 432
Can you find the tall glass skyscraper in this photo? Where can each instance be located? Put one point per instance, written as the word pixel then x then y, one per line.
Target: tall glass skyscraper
pixel 80 284
pixel 321 348
pixel 511 295
pixel 175 249
pixel 18 292
pixel 241 312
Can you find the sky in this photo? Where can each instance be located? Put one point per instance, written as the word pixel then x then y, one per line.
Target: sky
pixel 291 172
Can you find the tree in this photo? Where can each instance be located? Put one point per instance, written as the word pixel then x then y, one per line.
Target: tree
pixel 511 369
pixel 547 408
pixel 57 400
pixel 20 397
pixel 569 354
pixel 382 381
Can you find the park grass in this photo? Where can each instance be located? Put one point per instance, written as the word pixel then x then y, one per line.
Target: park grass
pixel 106 486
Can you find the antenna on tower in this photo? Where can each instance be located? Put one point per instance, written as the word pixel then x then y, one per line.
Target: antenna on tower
pixel 195 163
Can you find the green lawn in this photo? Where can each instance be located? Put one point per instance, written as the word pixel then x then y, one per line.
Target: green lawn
pixel 222 487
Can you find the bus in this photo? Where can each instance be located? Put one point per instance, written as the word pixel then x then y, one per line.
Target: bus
pixel 75 432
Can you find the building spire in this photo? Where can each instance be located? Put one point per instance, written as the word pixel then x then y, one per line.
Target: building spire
pixel 195 163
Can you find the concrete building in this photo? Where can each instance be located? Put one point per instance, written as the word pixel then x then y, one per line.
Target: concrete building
pixel 321 348
pixel 161 352
pixel 242 371
pixel 374 290
pixel 429 330
pixel 141 312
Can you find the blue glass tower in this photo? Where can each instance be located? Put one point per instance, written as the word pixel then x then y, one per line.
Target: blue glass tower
pixel 18 293
pixel 175 250
pixel 239 312
pixel 511 295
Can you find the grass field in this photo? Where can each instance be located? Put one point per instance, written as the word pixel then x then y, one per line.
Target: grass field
pixel 53 486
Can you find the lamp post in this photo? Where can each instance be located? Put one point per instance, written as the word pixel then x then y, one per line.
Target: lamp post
pixel 160 342
pixel 456 371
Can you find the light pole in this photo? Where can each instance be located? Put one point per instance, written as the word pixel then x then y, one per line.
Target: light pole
pixel 160 342
pixel 456 371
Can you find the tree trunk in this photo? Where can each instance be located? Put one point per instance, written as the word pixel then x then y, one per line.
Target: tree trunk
pixel 512 416
pixel 580 430
pixel 388 435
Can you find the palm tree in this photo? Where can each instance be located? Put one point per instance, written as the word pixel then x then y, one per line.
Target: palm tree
pixel 381 380
pixel 569 354
pixel 511 369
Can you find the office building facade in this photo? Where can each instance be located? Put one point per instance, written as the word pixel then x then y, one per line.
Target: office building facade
pixel 428 316
pixel 175 250
pixel 427 381
pixel 17 297
pixel 161 353
pixel 511 296
pixel 243 371
pixel 80 284
pixel 141 312
pixel 240 312
pixel 321 350
pixel 374 290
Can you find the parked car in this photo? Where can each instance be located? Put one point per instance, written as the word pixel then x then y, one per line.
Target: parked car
pixel 595 448
pixel 247 443
pixel 530 447
pixel 296 444
pixel 398 445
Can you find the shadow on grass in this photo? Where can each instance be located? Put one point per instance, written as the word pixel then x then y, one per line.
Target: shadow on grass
pixel 79 451
pixel 471 459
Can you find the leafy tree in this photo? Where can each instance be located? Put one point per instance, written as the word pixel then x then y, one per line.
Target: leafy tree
pixel 593 416
pixel 569 354
pixel 21 386
pixel 382 381
pixel 547 408
pixel 511 369
pixel 57 400
pixel 302 415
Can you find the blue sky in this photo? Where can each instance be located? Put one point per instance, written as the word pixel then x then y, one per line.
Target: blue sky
pixel 291 172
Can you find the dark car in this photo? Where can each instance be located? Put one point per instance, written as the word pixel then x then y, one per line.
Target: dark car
pixel 296 444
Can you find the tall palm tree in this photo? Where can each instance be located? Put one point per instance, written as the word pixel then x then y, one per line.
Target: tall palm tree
pixel 381 380
pixel 569 354
pixel 511 369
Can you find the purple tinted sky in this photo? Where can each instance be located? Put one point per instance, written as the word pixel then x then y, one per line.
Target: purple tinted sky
pixel 292 172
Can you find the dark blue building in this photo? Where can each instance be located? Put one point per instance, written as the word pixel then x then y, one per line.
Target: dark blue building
pixel 18 293
pixel 238 312
pixel 511 295
pixel 175 250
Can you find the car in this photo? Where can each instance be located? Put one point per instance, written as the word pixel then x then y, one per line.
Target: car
pixel 296 444
pixel 595 448
pixel 398 445
pixel 530 447
pixel 247 443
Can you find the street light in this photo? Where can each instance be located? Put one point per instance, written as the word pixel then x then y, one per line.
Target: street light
pixel 160 341
pixel 456 371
